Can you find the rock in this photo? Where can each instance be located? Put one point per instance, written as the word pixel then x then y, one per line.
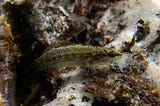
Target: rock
pixel 130 26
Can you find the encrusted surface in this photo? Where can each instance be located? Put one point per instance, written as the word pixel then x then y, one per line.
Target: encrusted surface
pixel 8 55
pixel 53 24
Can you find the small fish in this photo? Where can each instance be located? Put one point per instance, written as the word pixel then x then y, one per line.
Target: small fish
pixel 75 55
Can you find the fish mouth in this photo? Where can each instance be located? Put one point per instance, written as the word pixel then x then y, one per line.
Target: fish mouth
pixel 114 53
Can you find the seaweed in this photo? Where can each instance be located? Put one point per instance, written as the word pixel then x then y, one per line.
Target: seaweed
pixel 132 90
